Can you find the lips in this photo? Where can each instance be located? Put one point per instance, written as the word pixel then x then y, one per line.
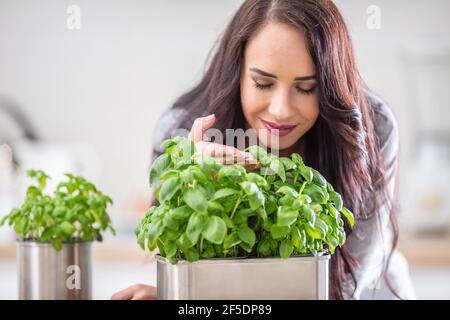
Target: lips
pixel 282 129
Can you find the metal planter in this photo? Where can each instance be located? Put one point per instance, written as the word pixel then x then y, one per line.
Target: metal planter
pixel 298 277
pixel 45 273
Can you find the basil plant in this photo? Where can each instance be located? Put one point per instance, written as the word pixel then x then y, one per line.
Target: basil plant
pixel 77 211
pixel 210 210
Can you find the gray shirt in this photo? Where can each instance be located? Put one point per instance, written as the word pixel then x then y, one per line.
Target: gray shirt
pixel 371 239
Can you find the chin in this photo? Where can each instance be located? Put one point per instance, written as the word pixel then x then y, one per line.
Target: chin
pixel 287 144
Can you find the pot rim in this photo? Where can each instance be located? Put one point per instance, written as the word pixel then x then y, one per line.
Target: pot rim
pixel 320 256
pixel 29 242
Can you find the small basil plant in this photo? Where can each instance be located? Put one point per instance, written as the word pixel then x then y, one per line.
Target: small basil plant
pixel 76 211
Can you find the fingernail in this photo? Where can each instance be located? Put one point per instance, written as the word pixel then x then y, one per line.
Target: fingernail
pixel 211 116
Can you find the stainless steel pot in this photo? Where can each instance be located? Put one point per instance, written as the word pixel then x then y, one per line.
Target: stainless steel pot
pixel 298 277
pixel 44 273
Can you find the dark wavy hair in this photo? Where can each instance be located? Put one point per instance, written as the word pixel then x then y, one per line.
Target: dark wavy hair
pixel 342 144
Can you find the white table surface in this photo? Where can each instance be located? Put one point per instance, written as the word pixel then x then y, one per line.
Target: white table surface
pixel 112 276
pixel 108 277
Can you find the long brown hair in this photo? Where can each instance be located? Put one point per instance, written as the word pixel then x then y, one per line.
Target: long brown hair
pixel 342 144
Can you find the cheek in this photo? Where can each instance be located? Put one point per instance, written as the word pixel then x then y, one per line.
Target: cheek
pixel 252 104
pixel 309 111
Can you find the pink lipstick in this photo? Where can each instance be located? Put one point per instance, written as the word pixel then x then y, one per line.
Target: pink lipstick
pixel 282 128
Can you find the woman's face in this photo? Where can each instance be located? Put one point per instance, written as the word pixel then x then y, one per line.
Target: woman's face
pixel 278 86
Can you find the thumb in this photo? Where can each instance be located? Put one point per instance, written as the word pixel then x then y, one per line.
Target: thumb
pixel 200 126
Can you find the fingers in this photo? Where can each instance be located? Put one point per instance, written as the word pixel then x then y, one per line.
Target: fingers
pixel 147 293
pixel 125 294
pixel 200 126
pixel 136 292
pixel 220 153
pixel 224 154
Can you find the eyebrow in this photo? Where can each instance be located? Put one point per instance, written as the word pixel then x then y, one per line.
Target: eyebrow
pixel 266 74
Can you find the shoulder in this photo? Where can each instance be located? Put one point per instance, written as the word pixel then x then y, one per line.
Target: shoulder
pixel 385 124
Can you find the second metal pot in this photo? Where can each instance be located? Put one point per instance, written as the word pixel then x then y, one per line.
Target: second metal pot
pixel 45 273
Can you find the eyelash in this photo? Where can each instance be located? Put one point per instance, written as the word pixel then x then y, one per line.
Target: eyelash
pixel 267 86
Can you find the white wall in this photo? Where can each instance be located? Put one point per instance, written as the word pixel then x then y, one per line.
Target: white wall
pixel 108 82
pixel 407 62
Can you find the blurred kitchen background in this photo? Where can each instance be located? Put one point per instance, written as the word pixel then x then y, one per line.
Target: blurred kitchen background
pixel 86 100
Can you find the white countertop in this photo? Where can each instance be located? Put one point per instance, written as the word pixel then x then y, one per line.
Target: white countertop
pixel 112 276
pixel 108 277
pixel 119 263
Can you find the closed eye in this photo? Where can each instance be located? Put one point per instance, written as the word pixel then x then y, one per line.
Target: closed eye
pixel 306 91
pixel 262 86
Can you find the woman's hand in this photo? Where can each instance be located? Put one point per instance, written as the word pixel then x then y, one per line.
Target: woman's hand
pixel 220 153
pixel 136 292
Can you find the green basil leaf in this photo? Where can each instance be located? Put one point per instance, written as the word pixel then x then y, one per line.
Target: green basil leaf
pixel 259 180
pixel 267 225
pixel 332 243
pixel 247 235
pixel 315 233
pixel 264 248
pixel 255 196
pixel 168 143
pixel 57 244
pixel 319 179
pixel 169 188
pixel 191 255
pixel 319 223
pixel 224 192
pixel 286 201
pixel 227 173
pixel 195 226
pixel 67 228
pixel 340 237
pixel 297 159
pixel 316 193
pixel 286 216
pixel 155 229
pixel 170 249
pixel 309 215
pixel 184 242
pixel 286 248
pixel 215 230
pixel 215 206
pixel 259 153
pixel 170 222
pixel 187 147
pixel 181 213
pixel 271 204
pixel 230 224
pixel 288 163
pixel 336 199
pixel 288 191
pixel 349 215
pixel 195 199
pixel 231 240
pixel 278 232
pixel 159 166
pixel 298 238
pixel 278 168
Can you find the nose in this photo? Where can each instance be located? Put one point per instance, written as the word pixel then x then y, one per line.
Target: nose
pixel 281 108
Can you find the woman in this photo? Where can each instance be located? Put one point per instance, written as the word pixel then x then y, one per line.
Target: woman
pixel 290 65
